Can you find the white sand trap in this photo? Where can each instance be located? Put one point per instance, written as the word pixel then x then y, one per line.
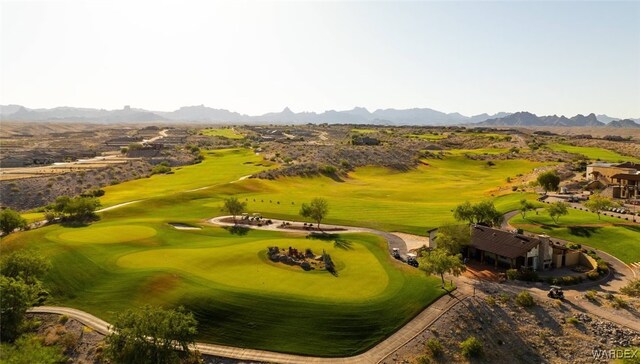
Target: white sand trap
pixel 183 226
pixel 413 241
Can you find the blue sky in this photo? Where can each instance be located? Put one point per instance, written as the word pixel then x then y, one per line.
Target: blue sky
pixel 255 57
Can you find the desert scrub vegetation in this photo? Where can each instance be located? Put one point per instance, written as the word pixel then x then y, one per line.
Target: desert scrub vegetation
pixel 632 288
pixel 434 347
pixel 471 347
pixel 524 299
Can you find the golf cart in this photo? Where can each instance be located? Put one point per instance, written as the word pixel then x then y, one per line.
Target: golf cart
pixel 411 259
pixel 556 293
pixel 396 253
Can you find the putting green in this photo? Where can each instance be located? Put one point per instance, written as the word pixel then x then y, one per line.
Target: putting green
pixel 360 275
pixel 108 235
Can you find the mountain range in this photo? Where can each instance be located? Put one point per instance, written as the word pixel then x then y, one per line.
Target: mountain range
pixel 357 115
pixel 524 118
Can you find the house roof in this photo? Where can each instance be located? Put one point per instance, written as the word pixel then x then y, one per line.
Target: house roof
pixel 501 242
pixel 635 166
pixel 626 176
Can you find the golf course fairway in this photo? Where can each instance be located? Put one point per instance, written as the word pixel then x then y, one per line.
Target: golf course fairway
pixel 134 256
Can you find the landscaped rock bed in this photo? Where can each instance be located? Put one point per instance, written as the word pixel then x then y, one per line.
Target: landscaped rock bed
pixel 307 260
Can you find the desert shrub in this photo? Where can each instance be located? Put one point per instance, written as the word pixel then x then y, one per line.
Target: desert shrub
pixel 593 275
pixel 63 319
pixel 434 346
pixel 512 274
pixel 632 288
pixel 69 340
pixel 573 321
pixel 328 169
pixel 471 347
pixel 603 266
pixel 161 168
pixel 591 295
pixel 524 299
pixel 504 297
pixel 570 280
pixel 528 275
pixel 619 303
pixel 424 359
pixel 490 300
pixel 573 246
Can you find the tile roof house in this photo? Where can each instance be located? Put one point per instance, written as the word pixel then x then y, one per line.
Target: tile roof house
pixel 508 249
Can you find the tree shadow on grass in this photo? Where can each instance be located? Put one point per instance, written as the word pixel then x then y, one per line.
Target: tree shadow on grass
pixel 323 236
pixel 583 231
pixel 338 241
pixel 342 244
pixel 78 223
pixel 237 230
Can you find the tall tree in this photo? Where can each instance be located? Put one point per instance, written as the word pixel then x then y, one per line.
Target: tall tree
pixel 81 208
pixel 549 181
pixel 598 203
pixel 465 212
pixel 15 298
pixel 24 264
pixel 439 261
pixel 234 207
pixel 317 210
pixel 151 335
pixel 20 287
pixel 484 213
pixel 11 220
pixel 453 238
pixel 556 210
pixel 526 206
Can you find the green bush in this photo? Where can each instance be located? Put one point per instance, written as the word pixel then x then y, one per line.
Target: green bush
pixel 434 346
pixel 603 267
pixel 471 347
pixel 161 168
pixel 593 275
pixel 524 299
pixel 574 246
pixel 512 274
pixel 504 297
pixel 619 303
pixel 632 288
pixel 63 319
pixel 591 295
pixel 573 321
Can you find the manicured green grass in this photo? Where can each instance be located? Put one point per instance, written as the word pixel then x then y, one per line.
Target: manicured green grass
pixel 601 154
pixel 493 136
pixel 132 256
pixel 364 131
pixel 460 152
pixel 413 201
pixel 33 216
pixel 612 235
pixel 222 132
pixel 239 297
pixel 219 166
pixel 428 136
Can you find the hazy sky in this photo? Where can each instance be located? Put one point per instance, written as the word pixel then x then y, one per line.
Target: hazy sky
pixel 256 57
